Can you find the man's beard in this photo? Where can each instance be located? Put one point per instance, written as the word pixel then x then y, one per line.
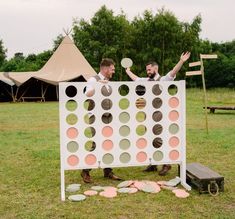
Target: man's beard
pixel 151 76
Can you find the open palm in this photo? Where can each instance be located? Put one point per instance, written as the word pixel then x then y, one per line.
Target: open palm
pixel 185 56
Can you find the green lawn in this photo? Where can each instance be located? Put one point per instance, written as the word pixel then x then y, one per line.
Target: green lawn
pixel 30 167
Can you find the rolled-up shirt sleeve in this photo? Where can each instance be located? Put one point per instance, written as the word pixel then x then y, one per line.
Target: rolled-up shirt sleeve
pixel 167 77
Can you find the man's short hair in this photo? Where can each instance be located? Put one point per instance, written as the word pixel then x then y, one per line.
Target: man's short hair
pixel 153 63
pixel 106 62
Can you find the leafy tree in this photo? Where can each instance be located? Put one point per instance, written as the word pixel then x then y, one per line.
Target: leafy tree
pixel 42 58
pixel 2 53
pixel 221 72
pixel 163 38
pixel 32 62
pixel 160 37
pixel 105 36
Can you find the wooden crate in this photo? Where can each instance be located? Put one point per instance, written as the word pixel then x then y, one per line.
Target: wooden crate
pixel 204 179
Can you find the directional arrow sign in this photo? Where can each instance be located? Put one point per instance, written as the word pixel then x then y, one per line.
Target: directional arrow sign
pixel 206 56
pixel 192 64
pixel 190 73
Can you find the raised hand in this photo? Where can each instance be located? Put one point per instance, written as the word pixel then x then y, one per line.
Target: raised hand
pixel 185 56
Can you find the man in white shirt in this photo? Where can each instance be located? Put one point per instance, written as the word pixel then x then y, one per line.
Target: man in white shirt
pixel 153 75
pixel 152 71
pixel 107 69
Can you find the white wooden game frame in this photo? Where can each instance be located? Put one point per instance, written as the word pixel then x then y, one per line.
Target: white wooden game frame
pixel 173 135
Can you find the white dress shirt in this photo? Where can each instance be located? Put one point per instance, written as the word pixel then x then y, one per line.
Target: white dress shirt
pixel 167 77
pixel 91 81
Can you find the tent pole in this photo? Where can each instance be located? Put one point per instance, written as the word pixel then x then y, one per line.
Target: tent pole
pixel 17 89
pixel 12 94
pixel 44 92
pixel 24 93
pixel 57 94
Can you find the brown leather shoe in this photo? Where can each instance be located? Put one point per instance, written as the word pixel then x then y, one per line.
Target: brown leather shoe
pixel 164 170
pixel 150 168
pixel 112 176
pixel 86 176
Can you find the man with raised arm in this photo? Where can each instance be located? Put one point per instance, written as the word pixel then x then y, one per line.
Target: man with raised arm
pixel 153 75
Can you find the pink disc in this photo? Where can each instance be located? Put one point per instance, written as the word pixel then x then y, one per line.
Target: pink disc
pixel 90 159
pixel 107 145
pixel 173 116
pixel 141 157
pixel 161 183
pixel 180 193
pixel 173 102
pixel 174 155
pixel 139 185
pixel 178 190
pixel 174 141
pixel 141 143
pixel 72 133
pixel 90 192
pixel 110 189
pixel 107 131
pixel 108 194
pixel 72 160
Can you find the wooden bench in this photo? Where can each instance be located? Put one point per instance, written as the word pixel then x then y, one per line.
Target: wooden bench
pixel 213 108
pixel 42 99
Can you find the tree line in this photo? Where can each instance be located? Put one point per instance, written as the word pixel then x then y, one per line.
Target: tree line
pixel 160 37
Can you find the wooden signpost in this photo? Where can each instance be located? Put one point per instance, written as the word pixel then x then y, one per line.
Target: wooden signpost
pixel 201 72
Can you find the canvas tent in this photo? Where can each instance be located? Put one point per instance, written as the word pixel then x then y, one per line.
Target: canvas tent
pixel 7 88
pixel 66 64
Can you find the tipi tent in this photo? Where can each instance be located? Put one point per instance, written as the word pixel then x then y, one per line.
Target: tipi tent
pixel 66 64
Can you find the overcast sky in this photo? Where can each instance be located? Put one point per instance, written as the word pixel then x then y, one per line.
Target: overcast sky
pixel 30 26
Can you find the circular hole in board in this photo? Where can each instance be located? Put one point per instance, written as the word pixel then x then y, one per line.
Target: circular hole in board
pixel 71 91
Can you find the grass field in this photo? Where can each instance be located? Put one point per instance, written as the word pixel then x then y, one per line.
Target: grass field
pixel 30 167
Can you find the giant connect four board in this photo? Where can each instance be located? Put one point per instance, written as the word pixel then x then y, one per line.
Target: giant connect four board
pixel 143 123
